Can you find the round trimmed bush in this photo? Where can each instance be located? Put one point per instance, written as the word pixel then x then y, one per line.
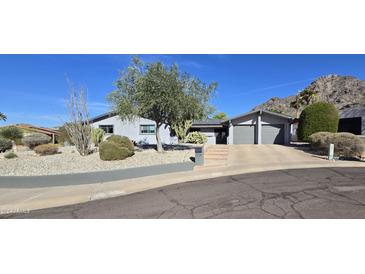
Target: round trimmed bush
pixel 121 141
pixel 47 149
pixel 11 133
pixel 36 139
pixel 196 137
pixel 316 118
pixel 5 144
pixel 110 151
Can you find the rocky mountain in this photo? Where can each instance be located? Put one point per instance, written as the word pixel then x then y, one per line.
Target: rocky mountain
pixel 343 91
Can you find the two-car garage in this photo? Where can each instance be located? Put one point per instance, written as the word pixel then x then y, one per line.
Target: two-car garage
pixel 260 127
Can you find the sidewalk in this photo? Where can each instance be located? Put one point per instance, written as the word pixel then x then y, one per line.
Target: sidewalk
pixel 26 199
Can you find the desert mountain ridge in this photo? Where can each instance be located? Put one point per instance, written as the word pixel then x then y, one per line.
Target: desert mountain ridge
pixel 342 91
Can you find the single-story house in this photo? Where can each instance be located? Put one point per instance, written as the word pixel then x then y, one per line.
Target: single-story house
pixel 352 120
pixel 140 130
pixel 255 127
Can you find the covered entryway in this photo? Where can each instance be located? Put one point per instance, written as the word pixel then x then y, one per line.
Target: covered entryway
pixel 273 134
pixel 244 134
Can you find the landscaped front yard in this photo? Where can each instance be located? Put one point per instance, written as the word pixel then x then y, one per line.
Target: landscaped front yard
pixel 68 160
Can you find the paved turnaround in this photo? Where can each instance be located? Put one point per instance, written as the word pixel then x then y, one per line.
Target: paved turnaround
pixel 337 192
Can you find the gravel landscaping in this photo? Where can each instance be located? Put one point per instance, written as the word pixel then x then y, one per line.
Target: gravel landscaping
pixel 69 161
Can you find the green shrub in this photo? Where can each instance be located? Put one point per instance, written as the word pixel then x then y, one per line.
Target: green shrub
pixel 110 151
pixel 11 133
pixel 196 137
pixel 10 155
pixel 317 117
pixel 36 139
pixel 47 149
pixel 5 144
pixel 121 141
pixel 97 136
pixel 346 144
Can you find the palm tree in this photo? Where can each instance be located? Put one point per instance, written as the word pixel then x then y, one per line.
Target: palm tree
pixel 2 116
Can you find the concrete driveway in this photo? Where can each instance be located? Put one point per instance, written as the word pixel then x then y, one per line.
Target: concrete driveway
pixel 258 155
pixel 298 193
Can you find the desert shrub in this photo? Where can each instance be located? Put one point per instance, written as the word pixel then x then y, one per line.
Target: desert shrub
pixel 97 135
pixel 121 141
pixel 63 137
pixel 47 149
pixel 196 137
pixel 11 133
pixel 18 142
pixel 346 144
pixel 110 151
pixel 36 139
pixel 10 155
pixel 320 140
pixel 317 117
pixel 5 144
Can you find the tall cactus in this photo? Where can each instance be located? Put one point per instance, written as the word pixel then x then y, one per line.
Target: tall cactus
pixel 97 136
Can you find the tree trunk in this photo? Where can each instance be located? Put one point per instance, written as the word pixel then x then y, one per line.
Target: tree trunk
pixel 158 138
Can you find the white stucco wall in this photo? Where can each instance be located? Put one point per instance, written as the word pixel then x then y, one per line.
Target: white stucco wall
pixel 131 129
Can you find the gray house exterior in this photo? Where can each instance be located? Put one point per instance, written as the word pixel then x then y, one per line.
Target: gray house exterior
pixel 256 127
pixel 260 127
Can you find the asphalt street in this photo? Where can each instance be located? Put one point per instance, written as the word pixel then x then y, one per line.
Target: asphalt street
pixel 300 193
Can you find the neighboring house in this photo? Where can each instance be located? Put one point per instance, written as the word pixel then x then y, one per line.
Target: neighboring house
pixel 29 129
pixel 352 120
pixel 256 127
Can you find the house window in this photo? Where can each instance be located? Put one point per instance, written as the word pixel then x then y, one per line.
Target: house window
pixel 147 129
pixel 108 129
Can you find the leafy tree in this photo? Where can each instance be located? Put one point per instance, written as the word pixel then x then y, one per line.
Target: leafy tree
pixel 11 133
pixel 317 117
pixel 159 93
pixel 2 117
pixel 221 116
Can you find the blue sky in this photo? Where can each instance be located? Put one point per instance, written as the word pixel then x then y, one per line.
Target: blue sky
pixel 33 87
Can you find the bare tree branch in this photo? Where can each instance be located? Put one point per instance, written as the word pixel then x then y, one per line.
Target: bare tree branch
pixel 78 127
